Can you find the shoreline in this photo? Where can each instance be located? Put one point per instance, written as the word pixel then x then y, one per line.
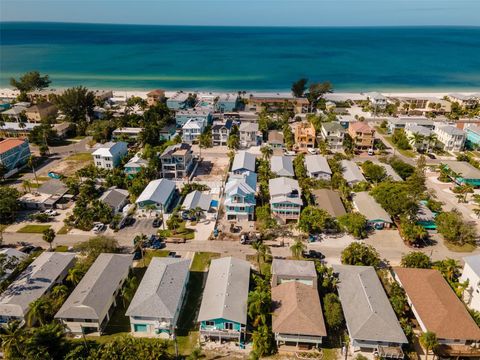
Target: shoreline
pixel 123 92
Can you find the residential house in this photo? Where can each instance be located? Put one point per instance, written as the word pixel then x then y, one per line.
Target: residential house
pixel 159 193
pixel 10 256
pixel 362 134
pixel 51 194
pixel 177 161
pixel 226 103
pixel 297 318
pixel 465 173
pixel 183 116
pixel 243 162
pixel 333 133
pixel 302 271
pixel 197 199
pixel 221 132
pixel 425 217
pixel 304 136
pixel 249 134
pixel 223 312
pixel 282 165
pixel 452 138
pixel 240 199
pixel 16 129
pixel 423 106
pixel 42 111
pixel 371 322
pixel 437 309
pixel 377 100
pixel 465 101
pixel 192 130
pixel 155 308
pixel 472 134
pixel 275 139
pixel 402 123
pixel 317 167
pixel 418 136
pixel 92 303
pixel 285 199
pixel 115 198
pixel 16 112
pixel 329 201
pixel 272 102
pixel 135 164
pixel 109 155
pixel 391 173
pixel 351 172
pixel 168 132
pixel 47 270
pixel 155 96
pixel 471 273
pixel 177 101
pixel 126 134
pixel 14 154
pixel 366 205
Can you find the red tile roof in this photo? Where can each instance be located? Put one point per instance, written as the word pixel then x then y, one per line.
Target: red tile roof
pixel 8 144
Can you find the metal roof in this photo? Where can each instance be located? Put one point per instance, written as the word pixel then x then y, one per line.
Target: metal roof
pixel 282 267
pixel 351 172
pixel 367 206
pixel 244 160
pixel 197 199
pixel 368 313
pixel 226 291
pixel 159 295
pixel 282 165
pixel 92 296
pixel 316 164
pixel 157 191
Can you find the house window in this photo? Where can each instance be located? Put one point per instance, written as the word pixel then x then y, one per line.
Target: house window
pixel 228 326
pixel 99 163
pixel 209 323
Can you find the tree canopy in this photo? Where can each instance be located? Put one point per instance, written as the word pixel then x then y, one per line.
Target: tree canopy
pixel 315 220
pixel 299 87
pixel 355 224
pixel 416 259
pixel 454 229
pixel 30 81
pixel 9 204
pixel 77 104
pixel 360 254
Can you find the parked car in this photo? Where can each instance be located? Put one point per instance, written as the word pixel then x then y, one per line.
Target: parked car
pixel 187 216
pixel 51 212
pixel 289 153
pixel 157 222
pixel 137 255
pixel 127 221
pixel 431 156
pixel 312 151
pixel 370 152
pixel 98 228
pixel 172 254
pixel 313 254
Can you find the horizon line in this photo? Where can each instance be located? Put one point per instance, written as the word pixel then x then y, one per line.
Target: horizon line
pixel 238 26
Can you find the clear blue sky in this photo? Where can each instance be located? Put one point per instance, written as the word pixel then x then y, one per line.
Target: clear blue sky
pixel 247 12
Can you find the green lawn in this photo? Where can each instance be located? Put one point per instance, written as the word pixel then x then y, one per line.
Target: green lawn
pixel 380 130
pixel 33 229
pixel 467 248
pixel 3 227
pixel 182 232
pixel 149 254
pixel 63 230
pixel 201 260
pixel 407 153
pixel 80 157
pixel 61 248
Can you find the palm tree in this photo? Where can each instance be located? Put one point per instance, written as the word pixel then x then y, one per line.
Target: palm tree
pixel 196 354
pixel 198 212
pixel 27 184
pixel 60 292
pixel 38 310
pixel 174 222
pixel 11 337
pixel 297 249
pixel 150 208
pixel 74 276
pixel 259 306
pixel 262 252
pixel 128 290
pixel 266 151
pixel 428 340
pixel 31 165
pixel 49 236
pixel 417 138
pixel 432 138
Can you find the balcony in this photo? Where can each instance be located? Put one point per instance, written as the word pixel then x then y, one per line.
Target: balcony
pixel 299 338
pixel 213 332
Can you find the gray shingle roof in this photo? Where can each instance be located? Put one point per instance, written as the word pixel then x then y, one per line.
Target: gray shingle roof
pixel 463 168
pixel 293 268
pixel 283 189
pixel 114 197
pixel 91 298
pixel 53 187
pixel 157 191
pixel 367 206
pixel 159 295
pixel 282 165
pixel 316 164
pixel 226 291
pixel 452 130
pixel 367 310
pixel 244 160
pixel 333 126
pixel 34 282
pixel 197 199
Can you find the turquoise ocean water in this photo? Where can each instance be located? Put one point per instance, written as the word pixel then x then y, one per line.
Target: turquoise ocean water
pixel 242 58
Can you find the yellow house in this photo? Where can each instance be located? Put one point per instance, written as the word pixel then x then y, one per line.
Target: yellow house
pixel 41 111
pixel 304 136
pixel 363 135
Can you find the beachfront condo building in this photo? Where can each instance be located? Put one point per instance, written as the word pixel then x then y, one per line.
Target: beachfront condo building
pixel 226 103
pixel 452 138
pixel 272 102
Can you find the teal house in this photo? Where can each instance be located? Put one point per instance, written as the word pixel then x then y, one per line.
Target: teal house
pixel 473 137
pixel 425 217
pixel 14 154
pixel 160 193
pixel 223 313
pixel 240 196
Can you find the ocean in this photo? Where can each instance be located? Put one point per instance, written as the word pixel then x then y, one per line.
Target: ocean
pixel 243 58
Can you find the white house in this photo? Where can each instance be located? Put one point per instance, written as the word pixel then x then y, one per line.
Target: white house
pixel 109 155
pixel 192 129
pixel 452 138
pixel 471 273
pixel 317 167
